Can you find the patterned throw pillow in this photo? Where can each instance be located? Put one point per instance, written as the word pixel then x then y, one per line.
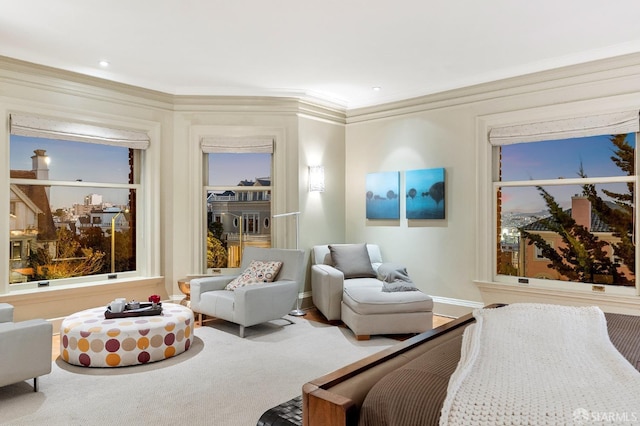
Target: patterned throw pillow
pixel 258 272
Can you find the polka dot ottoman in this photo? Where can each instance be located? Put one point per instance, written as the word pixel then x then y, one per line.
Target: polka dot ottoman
pixel 89 340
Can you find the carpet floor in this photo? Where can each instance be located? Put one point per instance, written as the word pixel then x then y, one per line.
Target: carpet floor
pixel 221 380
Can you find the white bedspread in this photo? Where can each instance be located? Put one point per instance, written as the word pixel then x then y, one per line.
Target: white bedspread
pixel 541 364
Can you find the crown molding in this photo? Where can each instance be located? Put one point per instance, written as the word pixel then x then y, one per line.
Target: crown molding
pixel 21 73
pixel 620 68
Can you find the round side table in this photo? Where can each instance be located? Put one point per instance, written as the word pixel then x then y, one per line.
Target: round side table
pixel 185 287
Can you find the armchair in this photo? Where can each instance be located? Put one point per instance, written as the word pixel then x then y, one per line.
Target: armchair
pixel 251 304
pixel 25 348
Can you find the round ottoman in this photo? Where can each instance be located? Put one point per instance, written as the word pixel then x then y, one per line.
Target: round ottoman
pixel 89 340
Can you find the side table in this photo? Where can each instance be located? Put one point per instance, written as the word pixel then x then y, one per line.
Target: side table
pixel 185 287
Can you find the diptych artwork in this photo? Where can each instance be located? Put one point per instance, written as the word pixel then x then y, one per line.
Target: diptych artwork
pixel 425 193
pixel 382 195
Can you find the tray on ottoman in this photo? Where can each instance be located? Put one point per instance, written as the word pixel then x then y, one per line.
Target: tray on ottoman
pixel 145 310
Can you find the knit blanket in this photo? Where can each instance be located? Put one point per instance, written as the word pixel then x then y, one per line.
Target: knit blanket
pixel 541 364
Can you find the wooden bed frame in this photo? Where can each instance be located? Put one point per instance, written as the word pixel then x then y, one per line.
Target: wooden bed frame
pixel 336 398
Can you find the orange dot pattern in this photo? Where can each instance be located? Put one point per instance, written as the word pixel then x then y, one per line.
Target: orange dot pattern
pixel 88 339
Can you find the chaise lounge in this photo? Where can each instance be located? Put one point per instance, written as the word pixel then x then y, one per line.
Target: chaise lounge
pixel 346 286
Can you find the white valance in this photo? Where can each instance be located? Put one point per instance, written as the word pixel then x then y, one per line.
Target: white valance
pixel 25 125
pixel 237 145
pixel 601 124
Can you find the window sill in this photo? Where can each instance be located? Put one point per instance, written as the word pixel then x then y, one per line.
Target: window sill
pixel 62 300
pixel 493 292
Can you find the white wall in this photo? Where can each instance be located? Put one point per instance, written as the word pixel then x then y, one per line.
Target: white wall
pixel 322 219
pixel 445 257
pixel 174 203
pixel 438 254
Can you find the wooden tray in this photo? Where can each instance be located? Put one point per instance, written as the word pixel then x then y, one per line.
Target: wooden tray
pixel 145 310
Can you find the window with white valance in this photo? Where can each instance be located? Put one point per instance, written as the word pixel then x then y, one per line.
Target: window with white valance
pixel 237 195
pixel 237 145
pixel 49 128
pixel 578 127
pixel 551 180
pixel 76 190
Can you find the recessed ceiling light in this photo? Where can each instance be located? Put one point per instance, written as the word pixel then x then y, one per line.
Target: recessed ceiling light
pixel 376 88
pixel 104 64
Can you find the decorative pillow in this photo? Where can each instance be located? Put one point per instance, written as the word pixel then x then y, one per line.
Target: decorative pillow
pixel 353 260
pixel 256 273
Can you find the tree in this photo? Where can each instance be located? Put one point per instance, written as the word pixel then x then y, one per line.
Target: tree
pixel 69 260
pixel 583 257
pixel 216 253
pixel 620 218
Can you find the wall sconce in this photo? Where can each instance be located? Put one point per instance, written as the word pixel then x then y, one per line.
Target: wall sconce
pixel 316 179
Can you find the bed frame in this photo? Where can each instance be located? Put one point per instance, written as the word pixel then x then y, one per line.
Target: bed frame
pixel 336 398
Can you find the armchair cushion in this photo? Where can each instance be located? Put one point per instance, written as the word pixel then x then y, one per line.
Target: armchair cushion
pixel 352 260
pixel 258 272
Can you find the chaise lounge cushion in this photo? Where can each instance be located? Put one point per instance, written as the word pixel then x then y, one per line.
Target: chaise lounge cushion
pixel 352 260
pixel 366 300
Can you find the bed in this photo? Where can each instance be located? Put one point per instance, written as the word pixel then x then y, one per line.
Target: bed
pixel 407 383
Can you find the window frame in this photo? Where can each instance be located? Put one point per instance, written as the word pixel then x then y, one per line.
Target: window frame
pixel 284 184
pixel 487 156
pixel 147 198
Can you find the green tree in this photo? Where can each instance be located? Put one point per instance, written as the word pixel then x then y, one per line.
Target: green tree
pixel 583 257
pixel 620 217
pixel 216 253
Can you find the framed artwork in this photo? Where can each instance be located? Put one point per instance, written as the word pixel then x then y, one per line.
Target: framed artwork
pixel 382 197
pixel 425 193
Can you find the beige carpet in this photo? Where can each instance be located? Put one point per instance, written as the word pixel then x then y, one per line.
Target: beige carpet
pixel 221 380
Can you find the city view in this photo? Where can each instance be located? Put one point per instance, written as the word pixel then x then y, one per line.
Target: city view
pixel 70 227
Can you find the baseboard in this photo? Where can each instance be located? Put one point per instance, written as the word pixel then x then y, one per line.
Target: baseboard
pixel 453 308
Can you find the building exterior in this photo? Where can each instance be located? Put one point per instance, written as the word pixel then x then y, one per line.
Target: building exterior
pixel 534 265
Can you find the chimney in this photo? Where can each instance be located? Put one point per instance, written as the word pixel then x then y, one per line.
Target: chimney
pixel 581 211
pixel 40 164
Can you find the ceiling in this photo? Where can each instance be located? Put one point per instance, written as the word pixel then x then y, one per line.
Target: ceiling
pixel 332 51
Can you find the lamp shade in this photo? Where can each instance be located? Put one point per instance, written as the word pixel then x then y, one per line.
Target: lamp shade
pixel 316 179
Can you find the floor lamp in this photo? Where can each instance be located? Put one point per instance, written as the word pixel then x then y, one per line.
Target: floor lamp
pixel 296 312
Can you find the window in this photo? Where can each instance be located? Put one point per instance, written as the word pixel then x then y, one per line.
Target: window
pixel 74 191
pixel 564 205
pixel 238 197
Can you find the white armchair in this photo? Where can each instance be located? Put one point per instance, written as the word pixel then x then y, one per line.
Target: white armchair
pixel 251 304
pixel 25 348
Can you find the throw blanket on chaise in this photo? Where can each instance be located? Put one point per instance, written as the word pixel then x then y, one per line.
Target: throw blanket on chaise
pixel 541 365
pixel 395 277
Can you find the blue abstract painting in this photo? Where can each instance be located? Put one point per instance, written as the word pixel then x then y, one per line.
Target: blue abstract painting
pixel 383 201
pixel 425 193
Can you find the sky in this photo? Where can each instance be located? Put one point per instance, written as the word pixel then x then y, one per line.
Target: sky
pixel 73 161
pixel 553 160
pixel 229 169
pixel 101 163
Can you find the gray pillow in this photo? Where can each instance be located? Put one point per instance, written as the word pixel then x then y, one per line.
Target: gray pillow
pixel 352 259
